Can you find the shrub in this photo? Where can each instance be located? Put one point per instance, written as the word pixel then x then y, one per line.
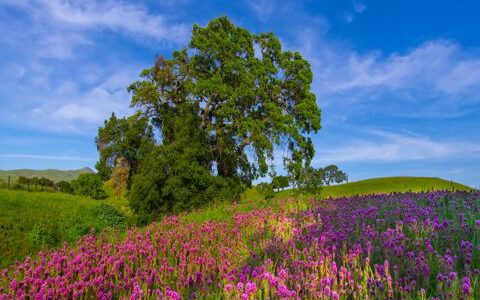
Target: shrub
pixel 110 216
pixel 64 187
pixel 89 185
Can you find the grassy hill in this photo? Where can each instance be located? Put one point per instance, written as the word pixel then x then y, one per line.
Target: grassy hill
pixel 52 174
pixel 253 199
pixel 34 221
pixel 387 185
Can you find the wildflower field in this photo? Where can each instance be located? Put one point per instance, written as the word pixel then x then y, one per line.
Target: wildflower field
pixel 392 246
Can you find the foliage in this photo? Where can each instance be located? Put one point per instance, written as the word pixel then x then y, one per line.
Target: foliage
pixel 334 175
pixel 266 189
pixel 235 101
pixel 64 187
pixel 43 182
pixel 280 182
pixel 125 138
pixel 175 176
pixel 397 246
pixel 110 216
pixel 89 185
pixel 42 235
pixel 52 174
pixel 35 221
pixel 311 180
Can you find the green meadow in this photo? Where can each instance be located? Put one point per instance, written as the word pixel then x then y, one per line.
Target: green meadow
pixel 35 221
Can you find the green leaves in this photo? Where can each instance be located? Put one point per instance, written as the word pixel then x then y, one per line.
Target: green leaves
pixel 246 91
pixel 221 106
pixel 89 185
pixel 125 138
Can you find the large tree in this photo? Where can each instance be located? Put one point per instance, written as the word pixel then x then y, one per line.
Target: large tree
pixel 221 106
pixel 248 94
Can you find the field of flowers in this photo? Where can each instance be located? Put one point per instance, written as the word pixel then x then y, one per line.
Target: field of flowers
pixel 404 245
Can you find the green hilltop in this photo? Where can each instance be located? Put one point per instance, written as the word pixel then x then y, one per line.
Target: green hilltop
pixel 52 174
pixel 387 185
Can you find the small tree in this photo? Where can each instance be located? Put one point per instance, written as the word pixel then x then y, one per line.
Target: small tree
pixel 45 182
pixel 64 187
pixel 334 175
pixel 311 180
pixel 280 182
pixel 89 185
pixel 34 181
pixel 22 180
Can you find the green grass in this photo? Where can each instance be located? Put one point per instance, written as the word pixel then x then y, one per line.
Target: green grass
pixel 52 174
pixel 386 185
pixel 34 221
pixel 253 199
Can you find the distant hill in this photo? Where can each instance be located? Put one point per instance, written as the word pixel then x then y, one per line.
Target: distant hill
pixel 388 185
pixel 52 174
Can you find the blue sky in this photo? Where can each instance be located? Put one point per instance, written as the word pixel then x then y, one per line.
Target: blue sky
pixel 398 82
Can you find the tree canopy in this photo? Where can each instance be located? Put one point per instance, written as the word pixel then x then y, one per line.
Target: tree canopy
pixel 122 138
pixel 221 107
pixel 280 182
pixel 246 92
pixel 89 185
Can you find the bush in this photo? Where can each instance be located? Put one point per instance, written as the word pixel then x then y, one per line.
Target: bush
pixel 64 187
pixel 111 216
pixel 266 189
pixel 280 182
pixel 171 182
pixel 89 185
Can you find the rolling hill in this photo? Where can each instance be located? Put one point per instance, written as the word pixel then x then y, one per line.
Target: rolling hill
pixel 52 174
pixel 387 185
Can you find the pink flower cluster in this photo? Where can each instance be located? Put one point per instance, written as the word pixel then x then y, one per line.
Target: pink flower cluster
pixel 403 245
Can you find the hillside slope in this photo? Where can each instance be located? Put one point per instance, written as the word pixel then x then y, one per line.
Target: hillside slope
pixel 387 185
pixel 52 174
pixel 33 221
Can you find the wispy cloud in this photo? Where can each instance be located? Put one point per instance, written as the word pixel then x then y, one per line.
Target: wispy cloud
pixel 358 8
pixel 436 78
pixel 384 146
pixel 59 28
pixel 130 18
pixel 56 75
pixel 262 8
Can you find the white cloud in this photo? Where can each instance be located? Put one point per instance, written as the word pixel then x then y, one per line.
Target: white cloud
pixel 385 146
pixel 68 106
pixel 118 16
pixel 438 78
pixel 424 65
pixel 60 28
